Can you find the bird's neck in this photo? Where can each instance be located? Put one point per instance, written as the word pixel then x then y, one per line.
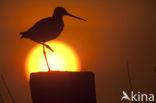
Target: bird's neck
pixel 59 18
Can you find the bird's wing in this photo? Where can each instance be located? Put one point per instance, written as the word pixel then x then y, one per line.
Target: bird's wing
pixel 41 26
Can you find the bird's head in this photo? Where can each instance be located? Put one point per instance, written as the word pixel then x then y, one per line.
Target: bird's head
pixel 60 11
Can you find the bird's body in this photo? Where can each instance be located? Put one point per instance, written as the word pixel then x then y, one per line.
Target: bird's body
pixel 48 28
pixel 45 30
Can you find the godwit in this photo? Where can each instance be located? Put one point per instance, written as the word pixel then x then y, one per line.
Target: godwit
pixel 48 29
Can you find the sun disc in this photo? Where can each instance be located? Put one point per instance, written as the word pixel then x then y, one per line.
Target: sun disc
pixel 64 58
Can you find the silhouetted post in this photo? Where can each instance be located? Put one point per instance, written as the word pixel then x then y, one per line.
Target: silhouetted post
pixel 63 87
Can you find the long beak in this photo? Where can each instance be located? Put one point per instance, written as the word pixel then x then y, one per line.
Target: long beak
pixel 76 17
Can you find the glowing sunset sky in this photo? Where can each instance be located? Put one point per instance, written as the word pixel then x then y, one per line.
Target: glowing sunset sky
pixel 116 32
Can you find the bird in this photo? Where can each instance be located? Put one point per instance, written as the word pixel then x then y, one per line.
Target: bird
pixel 48 28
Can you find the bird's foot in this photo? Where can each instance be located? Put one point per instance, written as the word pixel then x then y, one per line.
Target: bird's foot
pixel 49 70
pixel 47 46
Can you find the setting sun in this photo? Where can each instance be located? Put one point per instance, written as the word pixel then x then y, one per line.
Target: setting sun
pixel 62 59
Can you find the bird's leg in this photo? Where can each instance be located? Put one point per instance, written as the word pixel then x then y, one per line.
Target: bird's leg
pixel 44 52
pixel 47 46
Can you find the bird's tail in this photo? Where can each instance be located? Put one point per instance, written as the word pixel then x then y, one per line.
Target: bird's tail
pixel 22 35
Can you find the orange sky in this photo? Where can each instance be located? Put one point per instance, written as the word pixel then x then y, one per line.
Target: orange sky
pixel 115 32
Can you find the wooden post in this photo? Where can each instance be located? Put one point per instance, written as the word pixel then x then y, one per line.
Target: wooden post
pixel 63 87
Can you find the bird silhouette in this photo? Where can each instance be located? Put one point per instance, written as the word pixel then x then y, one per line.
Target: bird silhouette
pixel 48 28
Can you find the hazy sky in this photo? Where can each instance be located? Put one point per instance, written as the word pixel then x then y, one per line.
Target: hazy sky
pixel 116 32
